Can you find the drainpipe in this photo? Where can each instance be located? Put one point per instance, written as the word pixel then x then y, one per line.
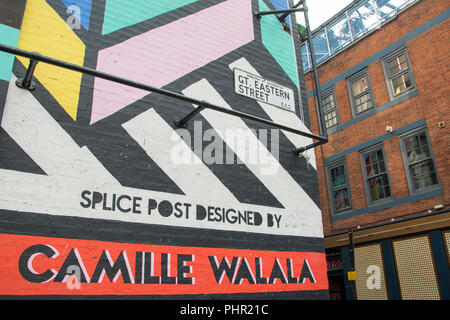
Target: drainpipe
pixel 323 129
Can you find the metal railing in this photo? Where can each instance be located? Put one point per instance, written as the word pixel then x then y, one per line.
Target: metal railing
pixel 27 83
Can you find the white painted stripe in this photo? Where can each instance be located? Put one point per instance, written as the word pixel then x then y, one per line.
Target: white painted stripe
pixel 43 139
pixel 72 169
pixel 165 146
pixel 279 183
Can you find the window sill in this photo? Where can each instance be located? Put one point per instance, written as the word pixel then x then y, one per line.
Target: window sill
pixel 405 96
pixel 388 204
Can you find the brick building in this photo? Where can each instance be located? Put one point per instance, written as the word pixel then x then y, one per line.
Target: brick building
pixel 384 176
pixel 119 188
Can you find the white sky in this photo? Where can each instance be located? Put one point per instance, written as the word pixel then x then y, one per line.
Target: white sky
pixel 320 11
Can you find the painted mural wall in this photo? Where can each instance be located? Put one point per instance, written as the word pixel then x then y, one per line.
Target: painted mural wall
pixel 101 194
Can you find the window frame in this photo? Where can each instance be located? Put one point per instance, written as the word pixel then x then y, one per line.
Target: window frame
pixel 331 189
pixel 350 80
pixel 388 77
pixel 406 165
pixel 325 94
pixel 366 178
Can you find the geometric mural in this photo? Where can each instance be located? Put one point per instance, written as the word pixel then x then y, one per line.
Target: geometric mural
pixel 45 32
pixel 99 179
pixel 118 15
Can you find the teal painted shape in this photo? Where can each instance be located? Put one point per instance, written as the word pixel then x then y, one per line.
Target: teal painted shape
pixel 124 13
pixel 8 36
pixel 279 43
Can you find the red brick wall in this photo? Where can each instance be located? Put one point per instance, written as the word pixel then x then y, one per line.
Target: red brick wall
pixel 428 53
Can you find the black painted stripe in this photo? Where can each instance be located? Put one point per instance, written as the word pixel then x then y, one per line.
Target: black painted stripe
pixel 11 13
pixel 45 225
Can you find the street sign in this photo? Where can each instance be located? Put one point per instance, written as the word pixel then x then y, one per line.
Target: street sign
pixel 260 89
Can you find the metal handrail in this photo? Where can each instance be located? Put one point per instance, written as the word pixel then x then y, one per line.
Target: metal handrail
pixel 35 57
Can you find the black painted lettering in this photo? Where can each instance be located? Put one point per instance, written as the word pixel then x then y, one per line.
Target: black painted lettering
pixel 182 269
pixel 152 204
pixel 136 205
pixel 119 206
pixel 26 261
pixel 223 269
pixel 97 197
pixel 277 273
pixel 120 266
pixel 244 273
pixel 165 270
pixel 84 196
pixel 165 208
pixel 71 260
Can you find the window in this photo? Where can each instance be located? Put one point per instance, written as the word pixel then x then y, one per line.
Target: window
pixel 398 73
pixel 375 175
pixel 419 163
pixel 361 98
pixel 329 108
pixel 339 187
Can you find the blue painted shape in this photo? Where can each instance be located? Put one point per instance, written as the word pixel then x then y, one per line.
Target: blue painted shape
pixel 8 36
pixel 279 43
pixel 281 5
pixel 85 7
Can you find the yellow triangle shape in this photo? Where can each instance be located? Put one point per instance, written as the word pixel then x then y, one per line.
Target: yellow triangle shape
pixel 45 32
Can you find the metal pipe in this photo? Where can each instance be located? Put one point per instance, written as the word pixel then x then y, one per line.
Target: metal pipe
pixel 283 16
pixel 298 151
pixel 316 75
pixel 287 11
pixel 182 122
pixel 203 104
pixel 323 129
pixel 351 250
pixel 27 81
pixel 250 117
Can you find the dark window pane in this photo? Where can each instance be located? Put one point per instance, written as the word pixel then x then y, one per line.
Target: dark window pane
pixel 387 191
pixel 337 176
pixel 423 174
pixel 377 178
pixel 417 148
pixel 341 199
pixel 423 139
pixel 382 166
pixel 379 187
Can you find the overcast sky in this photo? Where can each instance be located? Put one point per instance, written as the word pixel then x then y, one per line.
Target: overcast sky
pixel 320 11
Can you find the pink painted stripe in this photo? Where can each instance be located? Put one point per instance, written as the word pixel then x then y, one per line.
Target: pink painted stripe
pixel 162 55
